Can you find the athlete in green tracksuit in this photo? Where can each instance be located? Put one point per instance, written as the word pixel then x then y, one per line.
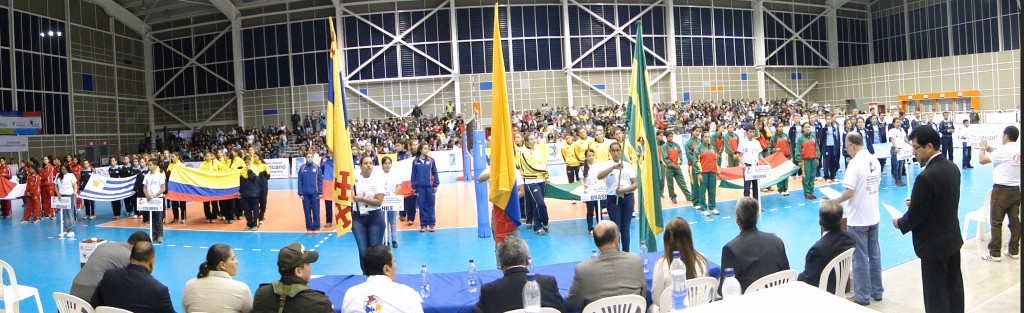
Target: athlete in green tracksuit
pixel 691 156
pixel 809 153
pixel 671 158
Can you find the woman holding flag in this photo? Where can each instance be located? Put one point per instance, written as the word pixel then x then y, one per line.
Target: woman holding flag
pixel 620 178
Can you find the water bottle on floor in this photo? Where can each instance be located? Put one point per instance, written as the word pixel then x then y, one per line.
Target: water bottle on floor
pixel 679 292
pixel 531 294
pixel 471 282
pixel 425 285
pixel 731 286
pixel 643 251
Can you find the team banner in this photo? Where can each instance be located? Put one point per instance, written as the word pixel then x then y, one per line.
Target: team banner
pixel 21 123
pixel 13 144
pixel 188 184
pixel 279 168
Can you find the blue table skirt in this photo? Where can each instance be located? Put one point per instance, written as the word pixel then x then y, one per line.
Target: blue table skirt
pixel 448 290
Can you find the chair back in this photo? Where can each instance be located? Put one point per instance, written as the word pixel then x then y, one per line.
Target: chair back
pixel 71 304
pixel 110 309
pixel 700 290
pixel 542 310
pixel 618 304
pixel 842 265
pixel 772 280
pixel 6 268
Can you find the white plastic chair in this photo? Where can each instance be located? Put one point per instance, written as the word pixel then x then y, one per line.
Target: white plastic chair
pixel 110 309
pixel 842 264
pixel 13 294
pixel 67 303
pixel 772 280
pixel 700 290
pixel 618 304
pixel 542 310
pixel 981 216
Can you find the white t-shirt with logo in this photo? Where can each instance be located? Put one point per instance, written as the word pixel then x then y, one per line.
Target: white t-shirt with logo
pixel 153 182
pixel 863 175
pixel 1006 164
pixel 367 188
pixel 380 294
pixel 66 186
pixel 617 178
pixel 749 150
pixel 898 138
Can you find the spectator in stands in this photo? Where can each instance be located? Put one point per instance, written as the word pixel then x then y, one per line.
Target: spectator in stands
pixel 830 245
pixel 133 288
pixel 613 273
pixel 380 289
pixel 677 237
pixel 107 256
pixel 290 294
pixel 753 253
pixel 213 290
pixel 505 294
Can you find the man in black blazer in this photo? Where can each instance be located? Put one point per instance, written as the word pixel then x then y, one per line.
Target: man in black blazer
pixel 834 242
pixel 753 254
pixel 506 293
pixel 932 216
pixel 133 288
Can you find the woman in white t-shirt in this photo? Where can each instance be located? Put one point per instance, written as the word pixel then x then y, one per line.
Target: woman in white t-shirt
pixel 589 170
pixel 390 182
pixel 898 138
pixel 67 186
pixel 620 180
pixel 367 218
pixel 154 185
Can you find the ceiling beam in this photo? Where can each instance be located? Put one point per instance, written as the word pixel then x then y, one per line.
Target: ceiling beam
pixel 228 8
pixel 124 16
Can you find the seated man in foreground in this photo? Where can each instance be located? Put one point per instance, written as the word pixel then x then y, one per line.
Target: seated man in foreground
pixel 834 242
pixel 614 273
pixel 380 292
pixel 133 288
pixel 506 293
pixel 753 253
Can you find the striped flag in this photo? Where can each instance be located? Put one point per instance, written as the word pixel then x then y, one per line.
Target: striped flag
pixel 502 185
pixel 102 188
pixel 641 130
pixel 344 177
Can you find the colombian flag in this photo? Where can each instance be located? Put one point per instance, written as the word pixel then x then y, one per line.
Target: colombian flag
pixel 189 184
pixel 501 188
pixel 340 144
pixel 641 129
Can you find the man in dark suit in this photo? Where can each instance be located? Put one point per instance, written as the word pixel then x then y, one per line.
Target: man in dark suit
pixel 834 242
pixel 753 254
pixel 932 216
pixel 133 288
pixel 506 293
pixel 614 273
pixel 109 255
pixel 946 129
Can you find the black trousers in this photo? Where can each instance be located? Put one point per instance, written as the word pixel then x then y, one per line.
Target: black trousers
pixel 250 205
pixel 943 285
pixel 263 204
pixel 830 158
pixel 130 205
pixel 238 208
pixel 211 209
pixel 90 207
pixel 947 147
pixel 178 209
pixel 573 172
pixel 227 209
pixel 750 188
pixel 116 207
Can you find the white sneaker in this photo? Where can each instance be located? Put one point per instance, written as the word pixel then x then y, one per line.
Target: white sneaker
pixel 705 213
pixel 70 235
pixel 990 258
pixel 715 212
pixel 1012 256
pixel 61 235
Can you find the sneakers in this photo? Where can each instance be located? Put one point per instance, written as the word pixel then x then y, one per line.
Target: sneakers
pixel 673 200
pixel 1013 256
pixel 715 212
pixel 61 235
pixel 431 228
pixel 990 258
pixel 246 228
pixel 70 234
pixel 784 193
pixel 705 213
pixel 394 244
pixel 540 232
pixel 810 197
pixel 255 228
pixel 854 300
pixel 423 229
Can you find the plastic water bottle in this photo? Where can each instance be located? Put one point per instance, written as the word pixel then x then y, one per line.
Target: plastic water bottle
pixel 471 283
pixel 593 254
pixel 731 286
pixel 425 285
pixel 643 251
pixel 678 271
pixel 531 294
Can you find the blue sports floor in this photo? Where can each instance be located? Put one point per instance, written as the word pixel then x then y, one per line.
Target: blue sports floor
pixel 41 260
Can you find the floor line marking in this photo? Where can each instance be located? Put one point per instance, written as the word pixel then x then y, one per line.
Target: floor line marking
pixel 773 209
pixel 187 246
pixel 239 249
pixel 257 249
pixel 726 217
pixel 203 247
pixel 170 245
pixel 788 206
pixel 802 204
pixel 275 250
pixel 691 223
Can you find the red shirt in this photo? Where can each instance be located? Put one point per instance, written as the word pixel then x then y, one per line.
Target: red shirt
pixel 46 174
pixel 5 172
pixel 708 161
pixel 77 170
pixel 32 185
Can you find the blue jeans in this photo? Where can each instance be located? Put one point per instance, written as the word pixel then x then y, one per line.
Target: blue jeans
pixel 620 211
pixel 535 204
pixel 867 263
pixel 897 166
pixel 368 229
pixel 393 224
pixel 70 216
pixel 311 208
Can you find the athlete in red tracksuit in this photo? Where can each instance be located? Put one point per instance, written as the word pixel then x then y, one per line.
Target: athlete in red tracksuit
pixel 46 187
pixel 32 195
pixel 5 173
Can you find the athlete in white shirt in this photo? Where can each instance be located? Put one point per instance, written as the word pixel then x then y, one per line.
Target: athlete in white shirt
pixel 1005 201
pixel 380 292
pixel 749 153
pixel 67 186
pixel 964 135
pixel 154 186
pixel 620 180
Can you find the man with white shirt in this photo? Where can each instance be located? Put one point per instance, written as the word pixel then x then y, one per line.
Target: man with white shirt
pixel 380 292
pixel 749 153
pixel 964 135
pixel 863 176
pixel 1005 193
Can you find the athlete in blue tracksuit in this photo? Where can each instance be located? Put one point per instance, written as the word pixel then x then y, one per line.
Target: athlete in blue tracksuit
pixel 310 181
pixel 424 182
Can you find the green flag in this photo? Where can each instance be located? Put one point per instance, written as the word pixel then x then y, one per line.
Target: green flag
pixel 641 138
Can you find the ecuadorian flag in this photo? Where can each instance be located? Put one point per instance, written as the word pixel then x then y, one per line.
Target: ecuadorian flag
pixel 189 184
pixel 641 129
pixel 501 188
pixel 337 131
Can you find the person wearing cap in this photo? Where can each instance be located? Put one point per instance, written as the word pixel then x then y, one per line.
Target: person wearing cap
pixel 290 294
pixel 380 292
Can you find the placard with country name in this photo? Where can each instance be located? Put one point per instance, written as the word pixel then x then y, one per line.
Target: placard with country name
pixel 393 203
pixel 61 203
pixel 151 205
pixel 756 172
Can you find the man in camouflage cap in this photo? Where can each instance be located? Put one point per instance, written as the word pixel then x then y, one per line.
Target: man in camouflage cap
pixel 290 294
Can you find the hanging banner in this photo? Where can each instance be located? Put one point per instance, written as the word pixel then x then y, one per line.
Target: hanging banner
pixel 21 123
pixel 13 144
pixel 279 168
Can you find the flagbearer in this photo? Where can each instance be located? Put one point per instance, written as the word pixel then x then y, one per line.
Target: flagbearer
pixel 708 165
pixel 424 182
pixel 210 208
pixel 620 179
pixel 808 160
pixel 691 157
pixel 750 153
pixel 780 143
pixel 5 173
